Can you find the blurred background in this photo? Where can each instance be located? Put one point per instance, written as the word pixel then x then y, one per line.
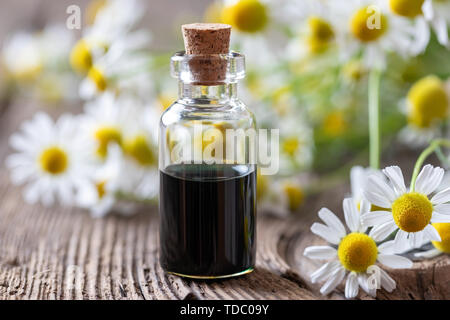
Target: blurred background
pixel 313 70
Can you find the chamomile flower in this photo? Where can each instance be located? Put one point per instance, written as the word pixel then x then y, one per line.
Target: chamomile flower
pixel 370 27
pixel 21 56
pixel 427 106
pixel 296 144
pixel 316 32
pixel 351 254
pixel 437 13
pixel 409 212
pixel 105 121
pixel 112 28
pixel 358 181
pixel 252 24
pixel 51 159
pixel 121 68
pixel 440 247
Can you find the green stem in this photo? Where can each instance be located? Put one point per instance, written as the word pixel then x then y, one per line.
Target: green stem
pixel 434 145
pixel 374 117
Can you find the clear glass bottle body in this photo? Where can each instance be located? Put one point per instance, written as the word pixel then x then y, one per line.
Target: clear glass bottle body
pixel 207 179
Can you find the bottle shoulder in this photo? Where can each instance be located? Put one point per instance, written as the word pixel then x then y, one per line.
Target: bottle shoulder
pixel 233 110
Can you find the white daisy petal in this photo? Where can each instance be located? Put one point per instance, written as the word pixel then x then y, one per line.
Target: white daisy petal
pixel 442 208
pixel 440 218
pixel 320 252
pixel 401 242
pixel 387 247
pixel 416 239
pixel 395 175
pixel 431 233
pixel 332 221
pixel 379 186
pixel 351 286
pixel 325 271
pixel 375 218
pixel 432 253
pixel 387 283
pixel 351 214
pixel 423 178
pixel 335 279
pixel 441 197
pixel 363 283
pixel 325 233
pixel 394 261
pixel 382 231
pixel 364 206
pixel 429 179
pixel 377 199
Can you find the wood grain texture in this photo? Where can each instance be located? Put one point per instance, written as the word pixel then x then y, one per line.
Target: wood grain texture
pixel 63 253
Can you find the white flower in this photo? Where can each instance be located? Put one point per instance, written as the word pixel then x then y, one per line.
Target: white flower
pixel 437 13
pixel 440 247
pixel 411 212
pixel 358 181
pixel 426 107
pixel 22 57
pixel 355 255
pixel 121 68
pixel 52 159
pixel 368 26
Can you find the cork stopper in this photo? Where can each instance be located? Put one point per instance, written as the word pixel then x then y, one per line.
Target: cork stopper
pixel 206 42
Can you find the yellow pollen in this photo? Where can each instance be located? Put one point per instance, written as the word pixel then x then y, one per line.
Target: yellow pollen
pixel 363 25
pixel 321 34
pixel 444 231
pixel 294 195
pixel 140 150
pixel 428 102
pixel 407 8
pixel 357 252
pixel 54 160
pixel 412 212
pixel 80 57
pixel 97 77
pixel 246 16
pixel 105 136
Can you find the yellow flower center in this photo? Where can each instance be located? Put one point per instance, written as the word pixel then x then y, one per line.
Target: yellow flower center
pixel 367 25
pixel 412 212
pixel 98 78
pixel 354 70
pixel 321 34
pixel 444 231
pixel 294 194
pixel 101 190
pixel 407 8
pixel 428 102
pixel 105 136
pixel 80 57
pixel 140 150
pixel 357 252
pixel 246 16
pixel 54 160
pixel 335 124
pixel 291 145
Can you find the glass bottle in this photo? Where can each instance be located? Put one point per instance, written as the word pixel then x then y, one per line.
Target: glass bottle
pixel 207 196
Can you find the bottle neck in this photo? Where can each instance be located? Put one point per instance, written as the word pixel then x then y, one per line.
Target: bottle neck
pixel 206 95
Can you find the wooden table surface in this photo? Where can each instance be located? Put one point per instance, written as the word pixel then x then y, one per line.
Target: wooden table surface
pixel 63 253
